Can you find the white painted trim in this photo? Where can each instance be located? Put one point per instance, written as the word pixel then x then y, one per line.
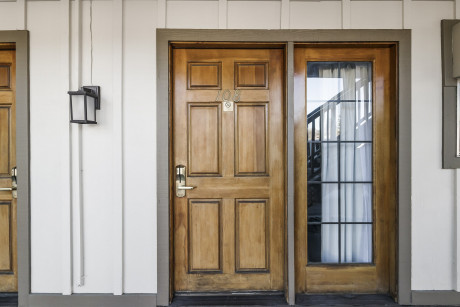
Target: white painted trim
pixel 161 14
pixel 457 216
pixel 117 66
pixel 77 164
pixel 22 14
pixel 346 14
pixel 223 12
pixel 457 9
pixel 285 14
pixel 405 14
pixel 67 151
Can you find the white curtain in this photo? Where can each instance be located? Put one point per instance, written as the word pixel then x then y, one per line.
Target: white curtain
pixel 349 119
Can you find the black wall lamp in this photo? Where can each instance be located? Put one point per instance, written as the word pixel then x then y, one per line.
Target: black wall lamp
pixel 84 103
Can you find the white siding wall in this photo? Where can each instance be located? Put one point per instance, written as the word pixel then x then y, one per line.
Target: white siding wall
pixel 433 201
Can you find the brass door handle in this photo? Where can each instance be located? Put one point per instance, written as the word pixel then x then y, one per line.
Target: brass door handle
pixel 14 183
pixel 180 181
pixel 185 188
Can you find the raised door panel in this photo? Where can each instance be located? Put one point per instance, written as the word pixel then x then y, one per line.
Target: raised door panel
pixel 251 155
pixel 252 235
pixel 5 76
pixel 205 248
pixel 251 75
pixel 5 141
pixel 204 139
pixel 5 236
pixel 204 75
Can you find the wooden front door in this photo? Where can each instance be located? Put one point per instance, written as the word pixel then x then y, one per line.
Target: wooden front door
pixel 228 133
pixel 8 258
pixel 345 158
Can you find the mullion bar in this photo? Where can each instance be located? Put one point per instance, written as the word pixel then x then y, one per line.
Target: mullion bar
pixel 340 223
pixel 340 181
pixel 339 137
pixel 356 142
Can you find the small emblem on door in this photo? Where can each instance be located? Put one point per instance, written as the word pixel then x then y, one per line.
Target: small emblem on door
pixel 227 105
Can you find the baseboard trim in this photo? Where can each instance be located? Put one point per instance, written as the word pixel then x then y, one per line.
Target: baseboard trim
pixel 435 298
pixel 92 300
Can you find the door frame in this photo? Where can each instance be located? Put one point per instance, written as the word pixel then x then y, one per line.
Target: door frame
pixel 20 39
pixel 289 38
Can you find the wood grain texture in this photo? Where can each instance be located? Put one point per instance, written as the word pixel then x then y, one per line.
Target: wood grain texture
pixel 251 75
pixel 251 151
pixel 204 75
pixel 379 277
pixel 261 134
pixel 252 239
pixel 204 139
pixel 5 143
pixel 8 219
pixel 205 246
pixel 5 236
pixel 5 76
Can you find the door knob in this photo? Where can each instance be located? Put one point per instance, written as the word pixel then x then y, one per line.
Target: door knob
pixel 14 183
pixel 180 181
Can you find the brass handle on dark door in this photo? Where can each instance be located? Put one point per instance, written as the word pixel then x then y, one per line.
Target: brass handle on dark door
pixel 180 181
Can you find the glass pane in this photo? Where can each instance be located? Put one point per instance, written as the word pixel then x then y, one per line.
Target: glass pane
pixel 323 243
pixel 323 204
pixel 356 202
pixel 356 243
pixel 317 153
pixel 339 160
pixel 91 106
pixel 356 162
pixel 78 107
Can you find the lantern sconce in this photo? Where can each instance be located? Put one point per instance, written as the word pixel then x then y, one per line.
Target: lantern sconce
pixel 84 103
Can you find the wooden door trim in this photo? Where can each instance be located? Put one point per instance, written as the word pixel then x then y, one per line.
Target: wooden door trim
pixel 289 37
pixel 171 179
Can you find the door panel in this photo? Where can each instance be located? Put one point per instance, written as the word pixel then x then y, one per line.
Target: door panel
pixel 8 256
pixel 345 155
pixel 229 230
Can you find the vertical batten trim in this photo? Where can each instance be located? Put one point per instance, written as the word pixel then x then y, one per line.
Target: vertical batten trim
pixel 67 169
pixel 223 11
pixel 117 66
pixel 22 13
pixel 346 14
pixel 290 175
pixel 77 165
pixel 457 9
pixel 405 14
pixel 161 14
pixel 285 14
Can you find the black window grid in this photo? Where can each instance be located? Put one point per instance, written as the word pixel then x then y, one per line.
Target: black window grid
pixel 314 145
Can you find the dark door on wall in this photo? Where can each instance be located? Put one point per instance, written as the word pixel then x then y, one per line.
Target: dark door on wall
pixel 228 143
pixel 8 256
pixel 345 162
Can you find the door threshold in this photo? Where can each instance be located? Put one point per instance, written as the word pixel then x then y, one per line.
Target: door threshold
pixel 345 300
pixel 233 298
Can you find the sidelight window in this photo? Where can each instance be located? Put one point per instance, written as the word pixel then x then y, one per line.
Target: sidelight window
pixel 339 159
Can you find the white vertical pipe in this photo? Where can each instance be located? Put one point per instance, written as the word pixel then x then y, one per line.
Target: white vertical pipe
pixel 67 169
pixel 457 212
pixel 117 66
pixel 346 14
pixel 77 167
pixel 161 14
pixel 456 281
pixel 285 14
pixel 223 13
